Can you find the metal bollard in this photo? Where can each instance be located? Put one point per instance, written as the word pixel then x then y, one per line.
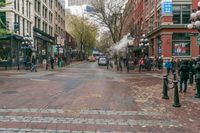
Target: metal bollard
pixel 191 78
pixel 176 95
pixel 174 76
pixel 165 87
pixel 18 67
pixel 6 67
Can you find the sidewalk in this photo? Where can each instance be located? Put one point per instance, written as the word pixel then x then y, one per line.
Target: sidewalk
pixel 40 69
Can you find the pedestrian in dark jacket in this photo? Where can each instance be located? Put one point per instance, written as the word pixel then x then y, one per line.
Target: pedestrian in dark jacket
pixel 184 75
pixel 197 77
pixel 52 63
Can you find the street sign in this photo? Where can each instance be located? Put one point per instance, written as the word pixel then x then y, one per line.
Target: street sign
pixel 198 40
pixel 166 7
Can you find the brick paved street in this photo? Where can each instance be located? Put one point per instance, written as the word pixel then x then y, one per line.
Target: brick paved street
pixel 88 98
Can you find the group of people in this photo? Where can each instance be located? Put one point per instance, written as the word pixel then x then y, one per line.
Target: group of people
pixel 149 64
pixel 186 69
pixel 31 64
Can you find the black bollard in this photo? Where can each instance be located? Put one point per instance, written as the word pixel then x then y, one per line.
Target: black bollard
pixel 191 78
pixel 197 95
pixel 47 66
pixel 127 68
pixel 6 67
pixel 165 87
pixel 18 67
pixel 176 95
pixel 174 76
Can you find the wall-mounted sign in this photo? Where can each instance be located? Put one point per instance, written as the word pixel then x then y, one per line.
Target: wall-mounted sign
pixel 166 7
pixel 198 40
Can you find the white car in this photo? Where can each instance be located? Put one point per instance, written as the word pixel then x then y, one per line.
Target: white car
pixel 102 61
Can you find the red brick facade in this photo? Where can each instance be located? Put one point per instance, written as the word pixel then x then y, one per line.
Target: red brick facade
pixel 160 29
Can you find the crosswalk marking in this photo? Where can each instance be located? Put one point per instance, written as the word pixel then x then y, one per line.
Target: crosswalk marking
pixel 129 113
pixel 116 122
pixel 39 80
pixel 32 110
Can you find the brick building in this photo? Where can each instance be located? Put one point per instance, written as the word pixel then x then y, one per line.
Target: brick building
pixel 17 18
pixel 165 26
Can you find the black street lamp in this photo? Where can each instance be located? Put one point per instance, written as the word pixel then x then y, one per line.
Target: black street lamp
pixel 27 46
pixel 195 24
pixel 144 44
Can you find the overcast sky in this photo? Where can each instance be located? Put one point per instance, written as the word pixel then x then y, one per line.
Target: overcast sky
pixel 66 3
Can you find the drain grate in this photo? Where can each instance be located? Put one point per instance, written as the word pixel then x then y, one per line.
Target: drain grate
pixel 9 92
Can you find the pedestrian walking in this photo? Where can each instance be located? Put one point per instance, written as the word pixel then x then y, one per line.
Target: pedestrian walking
pixel 107 62
pixel 52 63
pixel 34 66
pixel 184 75
pixel 168 66
pixel 160 64
pixel 197 77
pixel 141 64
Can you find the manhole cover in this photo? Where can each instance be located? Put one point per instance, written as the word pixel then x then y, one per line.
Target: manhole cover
pixel 9 92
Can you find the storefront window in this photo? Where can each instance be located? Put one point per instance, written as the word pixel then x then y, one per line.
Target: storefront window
pixel 5 50
pixel 180 44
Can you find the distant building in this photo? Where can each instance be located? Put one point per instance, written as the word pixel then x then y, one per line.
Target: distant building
pixel 78 2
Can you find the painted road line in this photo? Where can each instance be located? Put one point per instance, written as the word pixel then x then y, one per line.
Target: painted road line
pixel 113 122
pixel 129 113
pixel 32 110
pixel 42 80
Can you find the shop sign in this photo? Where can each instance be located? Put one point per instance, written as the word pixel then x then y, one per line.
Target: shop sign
pixel 61 50
pixel 166 7
pixel 198 40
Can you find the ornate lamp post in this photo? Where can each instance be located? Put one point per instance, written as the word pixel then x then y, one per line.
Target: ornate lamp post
pixel 195 20
pixel 27 46
pixel 195 24
pixel 144 43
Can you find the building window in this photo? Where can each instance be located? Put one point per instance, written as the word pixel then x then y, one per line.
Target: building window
pixel 15 4
pixel 3 20
pixel 38 22
pixel 27 8
pixel 51 4
pixel 23 26
pixel 181 14
pixel 152 4
pixel 18 9
pixel 147 26
pixel 180 44
pixel 44 12
pixel 23 6
pixel 186 14
pixel 152 23
pixel 146 6
pixel 158 17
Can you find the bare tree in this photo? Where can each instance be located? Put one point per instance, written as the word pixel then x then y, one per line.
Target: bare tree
pixel 111 14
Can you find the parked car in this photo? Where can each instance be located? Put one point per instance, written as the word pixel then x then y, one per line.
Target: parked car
pixel 91 59
pixel 102 61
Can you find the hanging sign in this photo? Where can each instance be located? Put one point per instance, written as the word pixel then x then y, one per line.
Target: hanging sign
pixel 166 7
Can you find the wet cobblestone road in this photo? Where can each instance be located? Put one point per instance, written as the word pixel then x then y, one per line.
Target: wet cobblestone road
pixel 87 98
